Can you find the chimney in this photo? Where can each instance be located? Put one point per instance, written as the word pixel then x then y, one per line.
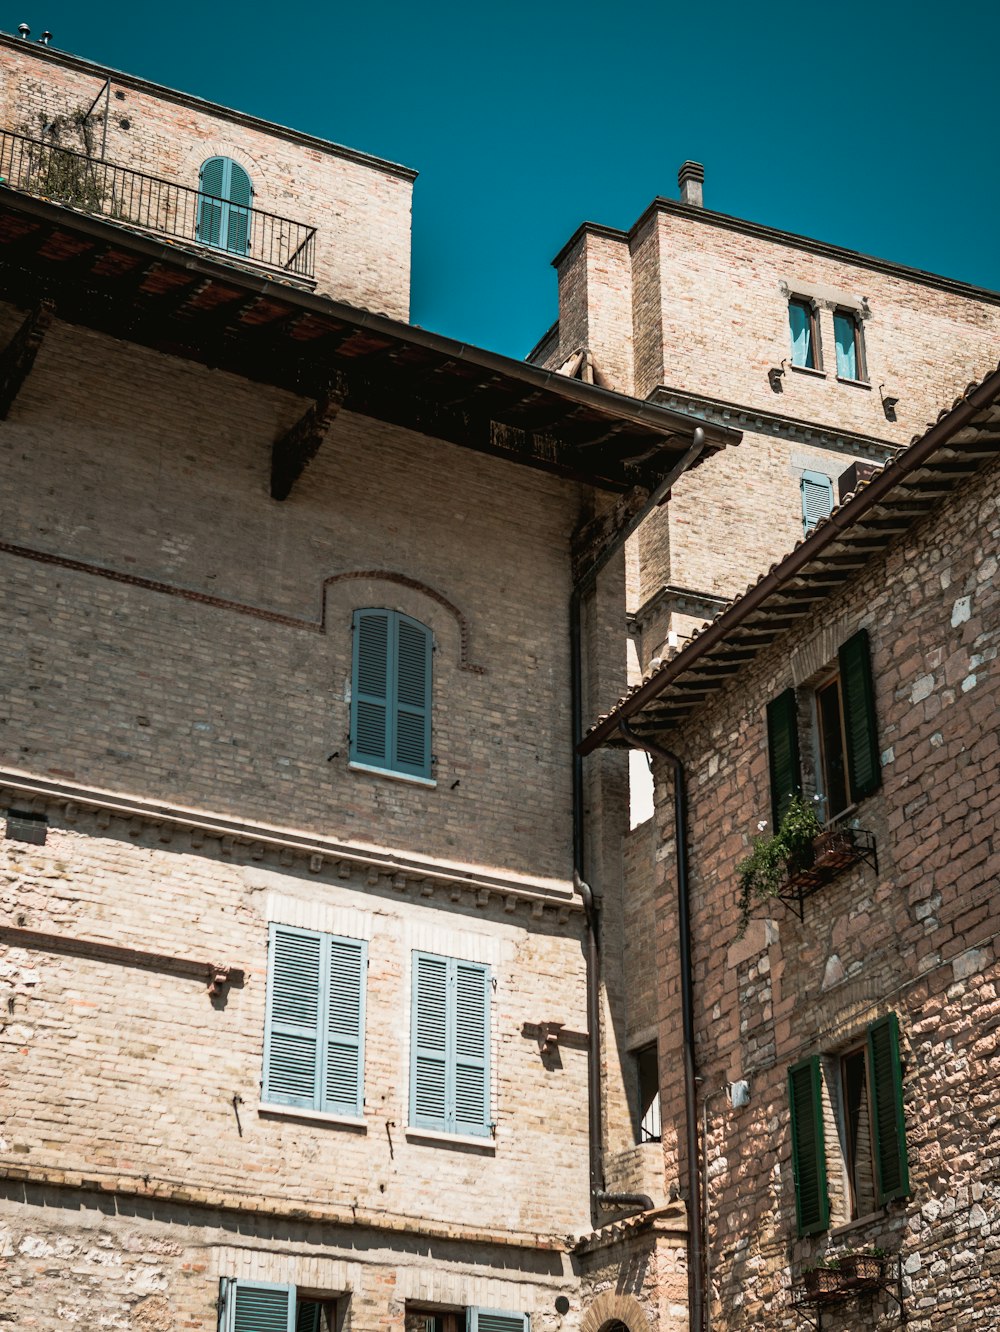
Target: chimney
pixel 690 178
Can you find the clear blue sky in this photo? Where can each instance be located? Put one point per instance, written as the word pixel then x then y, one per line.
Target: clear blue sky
pixel 869 125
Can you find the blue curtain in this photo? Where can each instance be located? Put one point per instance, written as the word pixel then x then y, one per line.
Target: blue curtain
pixel 800 323
pixel 845 336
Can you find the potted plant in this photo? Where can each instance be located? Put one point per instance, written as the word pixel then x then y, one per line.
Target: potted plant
pixel 863 1269
pixel 822 1279
pixel 765 871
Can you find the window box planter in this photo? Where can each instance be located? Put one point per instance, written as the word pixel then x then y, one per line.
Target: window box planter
pixel 822 1284
pixel 833 851
pixel 861 1271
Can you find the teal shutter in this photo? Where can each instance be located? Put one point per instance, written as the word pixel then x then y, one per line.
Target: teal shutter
pixel 240 195
pixel 344 1063
pixel 783 753
pixel 472 1048
pixel 258 1306
pixel 817 498
pixel 391 693
pixel 412 749
pixel 805 1099
pixel 496 1320
pixel 295 984
pixel 429 1042
pixel 370 692
pixel 225 205
pixel 308 1315
pixel 863 767
pixel 889 1131
pixel 210 208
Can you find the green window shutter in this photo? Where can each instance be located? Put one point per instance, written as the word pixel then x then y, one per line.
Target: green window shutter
pixel 429 1042
pixel 224 210
pixel 412 701
pixel 496 1320
pixel 370 714
pixel 210 209
pixel 308 1316
pixel 343 1074
pixel 889 1132
pixel 817 498
pixel 805 1098
pixel 239 192
pixel 472 1048
pixel 860 726
pixel 783 753
pixel 292 1033
pixel 259 1306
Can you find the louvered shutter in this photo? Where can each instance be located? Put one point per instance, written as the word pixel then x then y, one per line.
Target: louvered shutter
pixel 370 714
pixel 412 719
pixel 343 1073
pixel 889 1131
pixel 496 1320
pixel 210 210
pixel 783 753
pixel 805 1098
pixel 863 767
pixel 295 1007
pixel 238 190
pixel 429 1042
pixel 308 1315
pixel 472 1048
pixel 257 1306
pixel 817 498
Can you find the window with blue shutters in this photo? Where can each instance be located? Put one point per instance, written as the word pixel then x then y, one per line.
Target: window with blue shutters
pixel 450 1045
pixel 225 205
pixel 266 1306
pixel 391 693
pixel 314 1033
pixel 496 1320
pixel 817 498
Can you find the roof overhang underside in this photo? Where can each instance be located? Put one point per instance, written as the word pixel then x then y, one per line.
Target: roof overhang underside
pixel 186 303
pixel 905 490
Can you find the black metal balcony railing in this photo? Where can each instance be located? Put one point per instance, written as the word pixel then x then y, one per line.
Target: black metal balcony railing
pixel 140 200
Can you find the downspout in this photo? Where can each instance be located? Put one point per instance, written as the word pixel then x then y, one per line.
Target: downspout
pixel 599 1197
pixel 696 1281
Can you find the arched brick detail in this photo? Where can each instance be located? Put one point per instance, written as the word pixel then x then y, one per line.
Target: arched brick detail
pixel 611 1308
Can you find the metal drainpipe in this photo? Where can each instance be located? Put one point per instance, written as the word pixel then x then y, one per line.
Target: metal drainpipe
pixel 599 1197
pixel 696 1287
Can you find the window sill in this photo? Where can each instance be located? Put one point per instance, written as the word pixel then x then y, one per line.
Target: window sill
pixel 859 1223
pixel 486 1145
pixel 854 383
pixel 392 775
pixel 278 1111
pixel 807 370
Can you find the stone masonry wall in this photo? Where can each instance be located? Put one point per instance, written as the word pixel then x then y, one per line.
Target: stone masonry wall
pixel 359 205
pixel 918 938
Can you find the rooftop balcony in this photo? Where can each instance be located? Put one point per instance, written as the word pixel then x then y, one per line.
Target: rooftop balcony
pixel 246 235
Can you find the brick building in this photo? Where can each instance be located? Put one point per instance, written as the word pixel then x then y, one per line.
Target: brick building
pixel 843 1064
pixel 295 1002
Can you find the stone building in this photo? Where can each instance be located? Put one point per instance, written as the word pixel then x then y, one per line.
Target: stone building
pixel 302 606
pixel 841 1046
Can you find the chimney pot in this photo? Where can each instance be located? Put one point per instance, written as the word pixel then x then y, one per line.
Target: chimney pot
pixel 23 31
pixel 691 178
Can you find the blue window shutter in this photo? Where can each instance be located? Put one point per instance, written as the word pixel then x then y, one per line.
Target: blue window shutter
pixel 295 994
pixel 472 1048
pixel 496 1320
pixel 260 1306
pixel 224 210
pixel 210 183
pixel 343 1074
pixel 412 698
pixel 817 498
pixel 240 195
pixel 370 713
pixel 429 1041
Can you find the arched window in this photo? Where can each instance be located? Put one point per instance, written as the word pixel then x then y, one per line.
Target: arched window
pixel 224 206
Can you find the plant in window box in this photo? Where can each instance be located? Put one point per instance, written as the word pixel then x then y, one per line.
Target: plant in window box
pixel 822 1279
pixel 766 870
pixel 862 1269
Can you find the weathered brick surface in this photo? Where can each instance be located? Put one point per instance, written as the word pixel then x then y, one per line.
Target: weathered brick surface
pixel 359 205
pixel 917 938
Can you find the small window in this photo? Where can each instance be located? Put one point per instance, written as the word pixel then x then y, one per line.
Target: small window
pixel 862 1090
pixel 647 1066
pixel 846 766
pixel 263 1306
pixel 391 693
pixel 450 1045
pixel 847 336
pixel 417 1319
pixel 224 206
pixel 805 333
pixel 817 498
pixel 314 1032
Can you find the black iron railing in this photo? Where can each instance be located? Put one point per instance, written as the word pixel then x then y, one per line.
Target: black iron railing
pixel 140 200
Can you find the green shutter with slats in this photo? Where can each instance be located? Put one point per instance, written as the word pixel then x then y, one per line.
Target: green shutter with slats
pixel 817 498
pixel 210 204
pixel 259 1306
pixel 863 767
pixel 225 206
pixel 496 1320
pixel 314 1030
pixel 886 1078
pixel 450 1045
pixel 783 754
pixel 391 693
pixel 239 192
pixel 805 1098
pixel 308 1316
